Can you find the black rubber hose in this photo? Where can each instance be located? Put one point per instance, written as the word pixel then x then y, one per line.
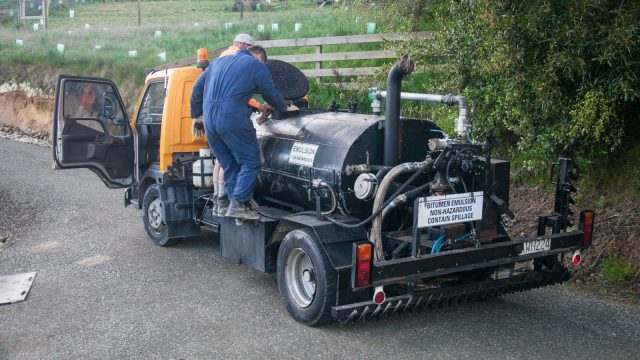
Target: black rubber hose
pixel 415 192
pixel 379 210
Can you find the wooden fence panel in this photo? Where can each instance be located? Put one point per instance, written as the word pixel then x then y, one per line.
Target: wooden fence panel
pixel 319 56
pixel 336 56
pixel 337 40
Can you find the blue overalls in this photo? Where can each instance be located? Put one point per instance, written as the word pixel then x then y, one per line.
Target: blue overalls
pixel 226 87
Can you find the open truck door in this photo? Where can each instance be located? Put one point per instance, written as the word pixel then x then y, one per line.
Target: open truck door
pixel 91 130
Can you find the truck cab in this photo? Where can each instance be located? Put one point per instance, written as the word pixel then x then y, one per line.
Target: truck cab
pixel 132 153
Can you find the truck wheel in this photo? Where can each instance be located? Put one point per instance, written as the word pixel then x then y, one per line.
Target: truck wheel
pixel 152 215
pixel 306 278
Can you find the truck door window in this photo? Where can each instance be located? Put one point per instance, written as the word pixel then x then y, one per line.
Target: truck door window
pixel 94 105
pixel 152 104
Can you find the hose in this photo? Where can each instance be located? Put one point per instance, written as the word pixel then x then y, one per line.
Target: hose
pixel 376 228
pixel 334 197
pixel 437 245
pixel 334 204
pixel 377 211
pixel 258 208
pixel 403 198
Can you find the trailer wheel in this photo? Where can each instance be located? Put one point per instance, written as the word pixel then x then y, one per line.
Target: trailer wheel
pixel 152 215
pixel 306 278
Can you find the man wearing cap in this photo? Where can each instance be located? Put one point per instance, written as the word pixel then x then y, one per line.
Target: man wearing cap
pixel 221 200
pixel 221 95
pixel 241 41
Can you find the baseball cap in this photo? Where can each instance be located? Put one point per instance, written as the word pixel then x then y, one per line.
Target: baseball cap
pixel 244 38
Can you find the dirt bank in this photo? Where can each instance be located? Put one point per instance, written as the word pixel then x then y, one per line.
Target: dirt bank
pixel 25 108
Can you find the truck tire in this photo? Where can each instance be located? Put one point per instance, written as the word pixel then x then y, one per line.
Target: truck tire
pixel 306 278
pixel 152 215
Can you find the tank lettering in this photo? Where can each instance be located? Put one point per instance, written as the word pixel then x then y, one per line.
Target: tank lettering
pixel 303 154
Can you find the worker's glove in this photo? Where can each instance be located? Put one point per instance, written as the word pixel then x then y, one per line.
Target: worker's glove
pixel 265 112
pixel 292 108
pixel 197 127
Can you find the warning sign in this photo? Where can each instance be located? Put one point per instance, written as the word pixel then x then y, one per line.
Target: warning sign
pixel 303 154
pixel 449 209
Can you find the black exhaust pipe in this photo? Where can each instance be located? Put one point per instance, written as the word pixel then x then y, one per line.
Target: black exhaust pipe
pixel 392 114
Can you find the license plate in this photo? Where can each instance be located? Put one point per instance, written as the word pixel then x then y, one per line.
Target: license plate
pixel 535 246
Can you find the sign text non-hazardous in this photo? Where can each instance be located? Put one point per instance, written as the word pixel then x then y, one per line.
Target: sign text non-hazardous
pixel 448 209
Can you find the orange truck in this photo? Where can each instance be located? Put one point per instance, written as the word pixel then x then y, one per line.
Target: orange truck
pixel 363 215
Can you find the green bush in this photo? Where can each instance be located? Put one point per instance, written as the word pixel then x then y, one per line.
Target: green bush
pixel 547 77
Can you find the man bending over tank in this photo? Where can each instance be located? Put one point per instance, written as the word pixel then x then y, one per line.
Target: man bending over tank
pixel 220 199
pixel 221 95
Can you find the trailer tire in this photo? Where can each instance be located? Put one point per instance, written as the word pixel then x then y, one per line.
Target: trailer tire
pixel 152 217
pixel 306 278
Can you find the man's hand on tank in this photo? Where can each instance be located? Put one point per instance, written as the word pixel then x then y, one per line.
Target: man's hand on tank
pixel 265 108
pixel 265 112
pixel 197 127
pixel 292 108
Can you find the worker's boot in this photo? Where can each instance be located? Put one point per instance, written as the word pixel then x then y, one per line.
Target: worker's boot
pixel 242 211
pixel 222 200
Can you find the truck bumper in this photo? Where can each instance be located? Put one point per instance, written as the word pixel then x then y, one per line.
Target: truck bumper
pixel 485 257
pixel 474 258
pixel 440 297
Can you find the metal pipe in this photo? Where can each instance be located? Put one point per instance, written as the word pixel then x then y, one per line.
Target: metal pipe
pixel 415 96
pixel 462 122
pixel 392 114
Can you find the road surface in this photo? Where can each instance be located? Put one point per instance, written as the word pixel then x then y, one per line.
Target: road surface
pixel 104 291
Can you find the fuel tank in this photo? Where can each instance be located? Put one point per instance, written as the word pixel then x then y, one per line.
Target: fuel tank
pixel 318 146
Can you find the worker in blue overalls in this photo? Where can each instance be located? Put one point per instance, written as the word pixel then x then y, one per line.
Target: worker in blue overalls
pixel 221 95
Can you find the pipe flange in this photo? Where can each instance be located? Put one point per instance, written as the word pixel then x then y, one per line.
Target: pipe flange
pixel 365 186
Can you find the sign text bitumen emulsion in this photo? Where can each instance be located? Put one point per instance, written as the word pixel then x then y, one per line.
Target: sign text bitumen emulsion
pixel 449 209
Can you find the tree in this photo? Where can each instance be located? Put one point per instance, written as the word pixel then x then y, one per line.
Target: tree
pixel 548 77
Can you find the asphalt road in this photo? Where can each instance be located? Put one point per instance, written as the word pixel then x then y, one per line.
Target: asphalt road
pixel 104 291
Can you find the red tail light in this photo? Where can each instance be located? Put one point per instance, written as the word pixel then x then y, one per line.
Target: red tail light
pixel 363 265
pixel 586 225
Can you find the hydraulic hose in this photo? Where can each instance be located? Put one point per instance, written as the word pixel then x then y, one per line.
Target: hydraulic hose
pixel 334 197
pixel 334 204
pixel 376 228
pixel 378 210
pixel 403 198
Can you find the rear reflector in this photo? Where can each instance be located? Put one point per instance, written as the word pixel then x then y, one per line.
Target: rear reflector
pixel 363 265
pixel 576 258
pixel 379 296
pixel 586 225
